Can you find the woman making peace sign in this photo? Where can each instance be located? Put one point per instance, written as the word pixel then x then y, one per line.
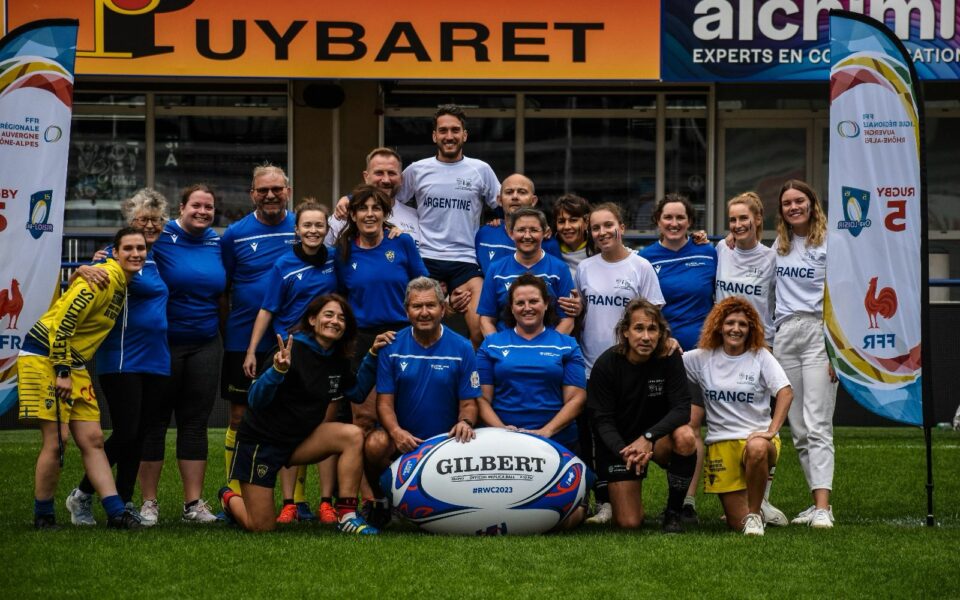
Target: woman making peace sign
pixel 285 426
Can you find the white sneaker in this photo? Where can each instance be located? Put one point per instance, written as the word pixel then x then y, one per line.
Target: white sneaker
pixel 822 518
pixel 199 513
pixel 149 513
pixel 604 515
pixel 773 515
pixel 80 506
pixel 753 524
pixel 804 517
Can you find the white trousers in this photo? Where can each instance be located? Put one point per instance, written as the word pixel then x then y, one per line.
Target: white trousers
pixel 802 352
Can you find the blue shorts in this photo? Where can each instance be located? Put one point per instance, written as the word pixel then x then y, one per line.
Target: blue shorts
pixel 258 464
pixel 451 272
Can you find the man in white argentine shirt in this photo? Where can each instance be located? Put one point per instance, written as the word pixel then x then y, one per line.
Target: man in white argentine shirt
pixel 450 190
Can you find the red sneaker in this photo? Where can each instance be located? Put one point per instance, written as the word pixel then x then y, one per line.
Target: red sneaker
pixel 288 514
pixel 328 514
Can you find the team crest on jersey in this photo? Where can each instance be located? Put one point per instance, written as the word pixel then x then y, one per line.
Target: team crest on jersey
pixel 464 184
pixel 622 284
pixel 656 268
pixel 254 245
pixel 492 253
pixel 354 265
pixel 334 384
pixel 49 403
pixel 475 379
pixel 174 237
pixel 746 378
pixel 403 365
pixel 655 386
pixel 262 470
pixel 505 351
pixel 390 255
pixel 300 276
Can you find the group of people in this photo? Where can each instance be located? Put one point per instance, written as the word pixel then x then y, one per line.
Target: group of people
pixel 326 334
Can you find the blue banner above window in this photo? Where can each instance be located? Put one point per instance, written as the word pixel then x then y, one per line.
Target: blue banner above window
pixel 788 40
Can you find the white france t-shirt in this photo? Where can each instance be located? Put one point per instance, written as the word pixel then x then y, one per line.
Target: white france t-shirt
pixel 750 274
pixel 606 288
pixel 736 390
pixel 801 275
pixel 449 199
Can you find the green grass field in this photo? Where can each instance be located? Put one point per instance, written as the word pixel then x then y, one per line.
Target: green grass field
pixel 879 547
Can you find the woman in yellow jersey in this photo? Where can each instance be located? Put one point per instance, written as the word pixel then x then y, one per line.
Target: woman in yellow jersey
pixel 55 387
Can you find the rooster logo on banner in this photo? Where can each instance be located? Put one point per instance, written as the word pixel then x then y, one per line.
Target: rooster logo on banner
pixel 883 303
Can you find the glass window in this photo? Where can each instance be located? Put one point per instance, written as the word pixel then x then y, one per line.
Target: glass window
pixel 84 99
pixel 686 163
pixel 107 164
pixel 603 160
pixel 490 140
pixel 238 100
pixel 467 101
pixel 761 159
pixel 583 101
pixel 943 178
pixel 218 151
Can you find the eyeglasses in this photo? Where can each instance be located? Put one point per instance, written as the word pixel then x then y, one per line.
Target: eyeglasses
pixel 263 191
pixel 141 221
pixel 528 230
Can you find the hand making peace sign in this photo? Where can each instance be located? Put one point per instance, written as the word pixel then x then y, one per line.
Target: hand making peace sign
pixel 281 360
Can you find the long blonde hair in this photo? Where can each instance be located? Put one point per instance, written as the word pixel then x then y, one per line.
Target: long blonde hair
pixel 817 232
pixel 753 203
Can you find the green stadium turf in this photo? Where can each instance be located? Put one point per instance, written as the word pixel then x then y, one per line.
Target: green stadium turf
pixel 879 548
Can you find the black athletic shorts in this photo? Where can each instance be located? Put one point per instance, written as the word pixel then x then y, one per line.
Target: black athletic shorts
pixel 234 384
pixel 451 272
pixel 258 464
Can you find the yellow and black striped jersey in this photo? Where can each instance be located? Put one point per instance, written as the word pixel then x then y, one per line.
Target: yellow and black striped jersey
pixel 74 326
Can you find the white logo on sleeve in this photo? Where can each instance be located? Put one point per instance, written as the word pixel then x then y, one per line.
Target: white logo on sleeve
pixel 174 237
pixel 254 245
pixel 403 366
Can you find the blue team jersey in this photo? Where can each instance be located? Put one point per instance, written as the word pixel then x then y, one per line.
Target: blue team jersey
pixel 250 249
pixel 496 283
pixel 494 243
pixel 292 285
pixel 686 281
pixel 376 279
pixel 428 383
pixel 138 341
pixel 192 269
pixel 528 377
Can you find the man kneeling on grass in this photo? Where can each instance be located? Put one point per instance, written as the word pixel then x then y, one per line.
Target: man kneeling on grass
pixel 291 419
pixel 638 391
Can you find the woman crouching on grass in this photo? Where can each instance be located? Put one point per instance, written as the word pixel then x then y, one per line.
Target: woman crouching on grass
pixel 286 423
pixel 738 375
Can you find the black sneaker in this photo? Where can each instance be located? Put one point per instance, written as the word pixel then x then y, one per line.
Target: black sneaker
pixel 125 520
pixel 45 522
pixel 376 514
pixel 672 522
pixel 689 515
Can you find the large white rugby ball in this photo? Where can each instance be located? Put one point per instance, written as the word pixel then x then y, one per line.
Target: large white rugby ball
pixel 503 482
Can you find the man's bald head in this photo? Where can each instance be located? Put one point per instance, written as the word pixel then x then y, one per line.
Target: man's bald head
pixel 517 191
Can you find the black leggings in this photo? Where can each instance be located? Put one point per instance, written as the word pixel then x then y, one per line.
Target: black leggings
pixel 129 397
pixel 191 391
